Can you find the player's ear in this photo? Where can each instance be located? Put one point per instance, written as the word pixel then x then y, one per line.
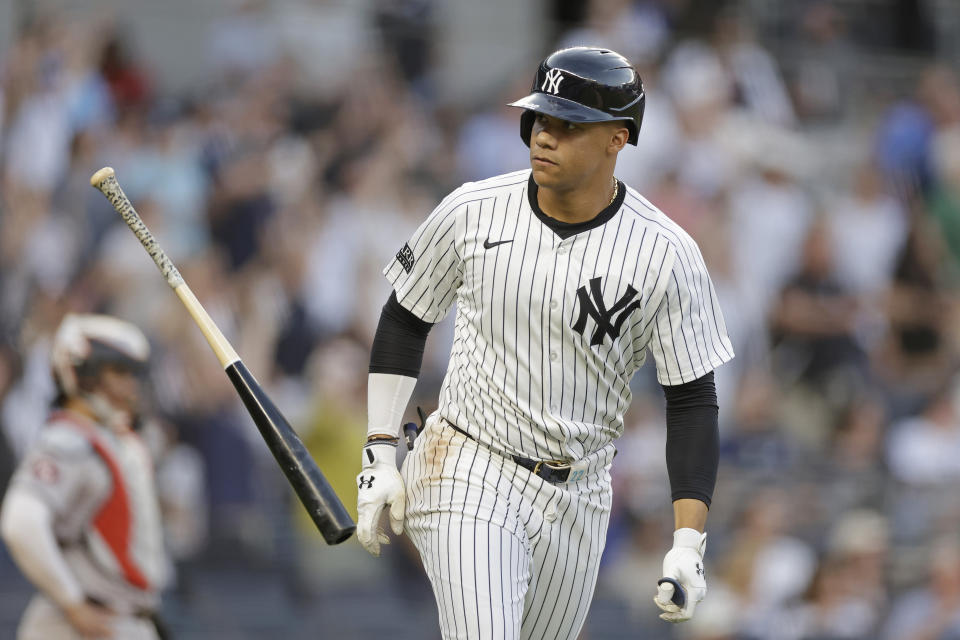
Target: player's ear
pixel 619 136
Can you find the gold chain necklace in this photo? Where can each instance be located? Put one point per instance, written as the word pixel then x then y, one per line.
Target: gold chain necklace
pixel 616 188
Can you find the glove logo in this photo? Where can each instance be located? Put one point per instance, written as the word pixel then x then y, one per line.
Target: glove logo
pixel 365 483
pixel 551 82
pixel 699 569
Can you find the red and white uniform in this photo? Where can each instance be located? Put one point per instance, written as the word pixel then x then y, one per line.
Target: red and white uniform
pixel 98 484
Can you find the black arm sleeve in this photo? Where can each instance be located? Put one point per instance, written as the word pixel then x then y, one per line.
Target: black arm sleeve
pixel 693 438
pixel 399 341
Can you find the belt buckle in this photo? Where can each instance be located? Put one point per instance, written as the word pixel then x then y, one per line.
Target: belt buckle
pixel 555 465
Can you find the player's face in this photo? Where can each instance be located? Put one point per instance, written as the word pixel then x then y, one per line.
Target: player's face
pixel 564 155
pixel 121 387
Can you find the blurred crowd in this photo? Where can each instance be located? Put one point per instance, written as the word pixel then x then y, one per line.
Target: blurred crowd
pixel 827 207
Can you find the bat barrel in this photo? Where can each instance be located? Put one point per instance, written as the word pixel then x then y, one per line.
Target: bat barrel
pixel 313 489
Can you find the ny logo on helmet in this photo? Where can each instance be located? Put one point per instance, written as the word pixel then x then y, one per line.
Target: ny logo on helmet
pixel 603 317
pixel 551 83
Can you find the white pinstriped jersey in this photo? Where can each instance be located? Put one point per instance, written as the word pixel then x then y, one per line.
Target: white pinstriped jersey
pixel 550 329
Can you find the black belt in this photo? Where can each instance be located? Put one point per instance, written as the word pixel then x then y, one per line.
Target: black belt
pixel 553 471
pixel 137 612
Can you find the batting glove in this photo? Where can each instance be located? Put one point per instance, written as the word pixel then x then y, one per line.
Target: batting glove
pixel 684 564
pixel 379 485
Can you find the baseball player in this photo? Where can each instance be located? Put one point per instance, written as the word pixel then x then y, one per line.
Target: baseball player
pixel 80 516
pixel 564 279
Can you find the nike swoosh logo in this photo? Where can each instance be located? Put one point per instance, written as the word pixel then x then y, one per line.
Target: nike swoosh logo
pixel 490 245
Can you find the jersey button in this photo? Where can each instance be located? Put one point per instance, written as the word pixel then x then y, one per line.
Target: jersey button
pixel 553 304
pixel 553 355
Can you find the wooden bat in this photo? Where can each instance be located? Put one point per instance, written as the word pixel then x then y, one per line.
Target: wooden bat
pixel 316 494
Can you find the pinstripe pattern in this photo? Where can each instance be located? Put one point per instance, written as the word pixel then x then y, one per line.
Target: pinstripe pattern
pixel 520 379
pixel 550 328
pixel 509 556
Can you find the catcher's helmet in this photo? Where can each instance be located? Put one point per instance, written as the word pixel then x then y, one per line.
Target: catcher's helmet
pixel 84 344
pixel 585 84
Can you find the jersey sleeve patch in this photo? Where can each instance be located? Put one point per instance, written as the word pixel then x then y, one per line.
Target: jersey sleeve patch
pixel 405 258
pixel 45 470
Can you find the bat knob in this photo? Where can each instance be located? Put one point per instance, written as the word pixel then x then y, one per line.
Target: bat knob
pixel 410 432
pixel 100 176
pixel 679 596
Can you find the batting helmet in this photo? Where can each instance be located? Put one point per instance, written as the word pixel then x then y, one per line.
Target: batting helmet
pixel 585 84
pixel 84 344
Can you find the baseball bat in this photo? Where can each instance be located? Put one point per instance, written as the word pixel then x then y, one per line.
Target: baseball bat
pixel 311 487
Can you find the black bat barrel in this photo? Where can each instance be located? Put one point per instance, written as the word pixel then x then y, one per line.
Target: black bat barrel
pixel 314 491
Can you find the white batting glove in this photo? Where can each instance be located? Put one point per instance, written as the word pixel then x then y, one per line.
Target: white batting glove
pixel 379 485
pixel 683 563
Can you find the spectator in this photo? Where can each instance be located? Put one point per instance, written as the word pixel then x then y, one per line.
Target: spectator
pixel 759 87
pixel 847 595
pixel 917 355
pixel 770 217
pixel 932 610
pixel 945 199
pixel 824 61
pixel 638 30
pixel 764 565
pixel 756 443
pixel 406 28
pixel 854 467
pixel 924 450
pixel 181 491
pixel 486 145
pixel 867 230
pixel 904 137
pixel 813 324
pixel 128 82
pixel 244 41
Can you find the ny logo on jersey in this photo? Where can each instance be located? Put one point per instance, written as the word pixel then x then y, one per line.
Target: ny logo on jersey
pixel 551 82
pixel 699 569
pixel 365 483
pixel 596 309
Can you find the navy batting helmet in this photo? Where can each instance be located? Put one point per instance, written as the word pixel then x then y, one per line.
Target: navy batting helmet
pixel 585 84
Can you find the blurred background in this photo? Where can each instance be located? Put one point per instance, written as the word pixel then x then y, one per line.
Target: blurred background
pixel 282 151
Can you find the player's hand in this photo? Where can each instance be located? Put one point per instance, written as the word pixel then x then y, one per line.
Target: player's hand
pixel 683 563
pixel 379 485
pixel 90 620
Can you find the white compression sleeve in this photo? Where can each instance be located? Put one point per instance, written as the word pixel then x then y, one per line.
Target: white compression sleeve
pixel 387 397
pixel 26 524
